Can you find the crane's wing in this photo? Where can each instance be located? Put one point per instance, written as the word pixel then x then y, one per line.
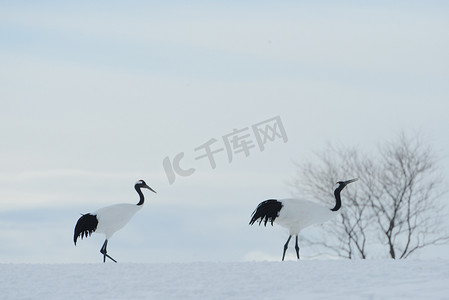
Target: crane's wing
pixel 267 210
pixel 85 226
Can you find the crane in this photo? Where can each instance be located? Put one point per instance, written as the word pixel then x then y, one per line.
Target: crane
pixel 297 214
pixel 109 219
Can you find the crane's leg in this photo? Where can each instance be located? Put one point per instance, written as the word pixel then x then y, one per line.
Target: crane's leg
pixel 286 246
pixel 105 253
pixel 297 247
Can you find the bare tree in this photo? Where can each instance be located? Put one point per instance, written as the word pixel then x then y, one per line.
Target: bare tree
pixel 396 202
pixel 406 197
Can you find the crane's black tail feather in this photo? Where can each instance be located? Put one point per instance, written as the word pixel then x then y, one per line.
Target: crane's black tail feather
pixel 85 226
pixel 267 210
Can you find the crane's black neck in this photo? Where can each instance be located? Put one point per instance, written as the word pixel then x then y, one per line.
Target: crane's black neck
pixel 337 197
pixel 142 198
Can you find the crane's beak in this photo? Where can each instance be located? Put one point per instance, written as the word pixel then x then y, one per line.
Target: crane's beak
pixel 350 181
pixel 146 186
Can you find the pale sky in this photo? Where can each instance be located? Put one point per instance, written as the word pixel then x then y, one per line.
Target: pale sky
pixel 94 96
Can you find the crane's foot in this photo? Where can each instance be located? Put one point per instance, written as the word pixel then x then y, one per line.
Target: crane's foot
pixel 297 248
pixel 105 253
pixel 285 247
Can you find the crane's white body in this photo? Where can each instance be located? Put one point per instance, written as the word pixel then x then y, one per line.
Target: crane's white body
pixel 297 214
pixel 114 217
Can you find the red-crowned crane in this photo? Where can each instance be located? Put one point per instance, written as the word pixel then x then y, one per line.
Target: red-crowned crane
pixel 297 214
pixel 109 219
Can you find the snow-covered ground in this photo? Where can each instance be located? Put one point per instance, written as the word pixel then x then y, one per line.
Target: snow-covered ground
pixel 312 279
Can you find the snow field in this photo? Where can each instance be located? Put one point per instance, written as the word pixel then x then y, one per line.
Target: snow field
pixel 312 279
